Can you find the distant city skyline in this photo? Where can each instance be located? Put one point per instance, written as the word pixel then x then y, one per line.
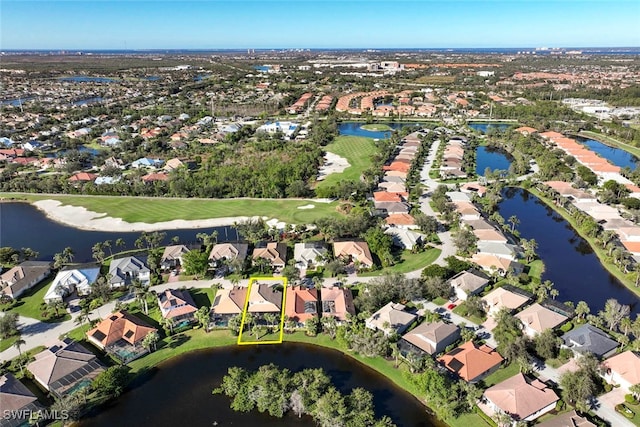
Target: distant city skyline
pixel 130 25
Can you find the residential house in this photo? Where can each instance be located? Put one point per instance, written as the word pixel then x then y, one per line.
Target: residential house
pixel 622 369
pixel 309 255
pixel 18 399
pixel 229 302
pixel 354 251
pixel 147 163
pixel 121 334
pixel 72 279
pixel 172 256
pixel 467 211
pixel 274 252
pixel 177 305
pixel 471 362
pixel 567 419
pixel 391 208
pixel 125 270
pixel 83 177
pixel 264 298
pixel 391 319
pixel 15 281
pixel 490 236
pixel 523 398
pixel 65 367
pixel 227 252
pixel 430 338
pixel 537 318
pixel 589 339
pixel 468 283
pixel 501 298
pixel 502 250
pixel 497 264
pixel 401 220
pixel 403 238
pixel 337 302
pixel 301 304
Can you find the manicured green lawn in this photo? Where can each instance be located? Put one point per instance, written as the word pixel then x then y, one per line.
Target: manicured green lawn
pixel 28 305
pixel 203 297
pixel 5 343
pixel 156 209
pixel 376 127
pixel 409 262
pixel 462 311
pixel 357 150
pixel 611 141
pixel 536 268
pixel 501 374
pixel 468 420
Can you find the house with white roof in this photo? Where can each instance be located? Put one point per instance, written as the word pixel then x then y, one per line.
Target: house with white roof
pixel 391 318
pixel 78 279
pixel 309 255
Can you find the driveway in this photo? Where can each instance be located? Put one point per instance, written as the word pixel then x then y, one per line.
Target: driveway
pixel 605 407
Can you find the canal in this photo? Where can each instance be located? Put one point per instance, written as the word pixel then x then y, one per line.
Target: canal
pixel 570 262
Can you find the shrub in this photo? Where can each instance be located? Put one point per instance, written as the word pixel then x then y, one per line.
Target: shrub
pixel 608 387
pixel 630 398
pixel 566 327
pixel 560 405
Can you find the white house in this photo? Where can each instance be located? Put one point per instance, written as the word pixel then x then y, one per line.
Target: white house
pixel 309 255
pixel 467 283
pixel 391 318
pixel 67 281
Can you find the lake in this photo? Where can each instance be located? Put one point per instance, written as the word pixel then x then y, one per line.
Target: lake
pixel 23 225
pixel 569 260
pixel 615 155
pixel 482 127
pixel 16 102
pixel 178 392
pixel 355 129
pixel 487 157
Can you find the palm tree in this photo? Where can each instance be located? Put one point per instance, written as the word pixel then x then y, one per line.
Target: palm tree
pixel 514 221
pixel 554 293
pixel 120 243
pixel 202 316
pixel 395 353
pixel 606 237
pixel 151 340
pixel 18 344
pixel 271 318
pixel 141 293
pixel 168 323
pixel 83 316
pixel 107 244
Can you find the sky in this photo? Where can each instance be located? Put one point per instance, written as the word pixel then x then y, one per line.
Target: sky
pixel 210 24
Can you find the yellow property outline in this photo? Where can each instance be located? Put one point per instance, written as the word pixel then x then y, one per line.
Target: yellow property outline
pixel 246 308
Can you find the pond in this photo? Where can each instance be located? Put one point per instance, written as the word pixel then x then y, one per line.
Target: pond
pixel 24 226
pixel 482 127
pixel 178 392
pixel 16 102
pixel 355 129
pixel 616 156
pixel 494 159
pixel 570 262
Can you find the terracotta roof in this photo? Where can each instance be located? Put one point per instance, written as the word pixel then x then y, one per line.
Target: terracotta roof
pixel 356 249
pixel 626 365
pixel 470 361
pixel 117 326
pixel 525 130
pixel 83 177
pixel 633 247
pixel 275 252
pixel 337 302
pixel 502 298
pixel 400 219
pixel 384 196
pixel 520 396
pixel 176 303
pixel 229 301
pixel 301 303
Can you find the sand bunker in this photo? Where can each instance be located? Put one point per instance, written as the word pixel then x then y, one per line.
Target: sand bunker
pixel 332 164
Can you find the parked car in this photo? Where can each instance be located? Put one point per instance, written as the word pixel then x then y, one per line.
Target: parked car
pixel 451 306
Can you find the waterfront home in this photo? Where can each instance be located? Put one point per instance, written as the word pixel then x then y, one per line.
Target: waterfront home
pixel 471 362
pixel 177 305
pixel 222 253
pixel 265 298
pixel 490 236
pixel 229 302
pixel 568 419
pixel 65 367
pixel 497 264
pixel 121 335
pixel 429 338
pixel 467 211
pixel 392 318
pixel 172 256
pixel 502 250
pixel 301 304
pixel 274 252
pixel 523 398
pixel 15 281
pixel 503 297
pixel 353 251
pixel 537 319
pixel 16 397
pixel 459 196
pixel 404 238
pixel 478 224
pixel 125 270
pixel 589 339
pixel 474 187
pixel 467 283
pixel 622 369
pixel 526 130
pixel 309 255
pixel 72 279
pixel 337 302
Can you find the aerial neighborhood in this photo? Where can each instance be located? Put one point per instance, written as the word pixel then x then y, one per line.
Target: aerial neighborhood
pixel 434 216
